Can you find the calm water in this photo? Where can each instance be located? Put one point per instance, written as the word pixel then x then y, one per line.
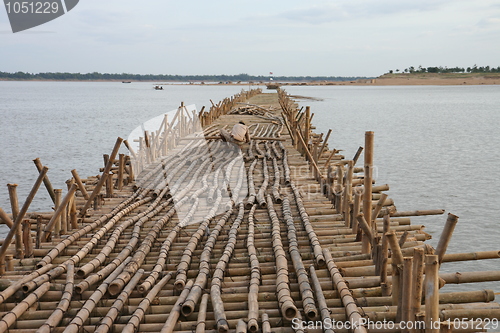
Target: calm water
pixel 436 146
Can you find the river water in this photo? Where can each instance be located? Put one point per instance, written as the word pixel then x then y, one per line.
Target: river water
pixel 436 146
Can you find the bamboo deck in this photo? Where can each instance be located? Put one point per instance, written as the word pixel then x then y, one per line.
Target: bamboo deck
pixel 292 232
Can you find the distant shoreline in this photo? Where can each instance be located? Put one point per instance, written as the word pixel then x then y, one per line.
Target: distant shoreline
pixel 403 79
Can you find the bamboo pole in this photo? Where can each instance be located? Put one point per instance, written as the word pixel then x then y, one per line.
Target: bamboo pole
pixel 308 303
pixel 324 310
pixel 60 209
pixel 14 204
pixel 107 322
pixel 266 325
pixel 27 239
pixel 98 187
pixel 12 316
pixel 65 302
pixel 81 317
pixel 204 267
pixel 79 182
pixel 313 238
pixel 444 240
pixel 21 214
pixel 6 219
pixel 286 303
pixel 46 180
pixel 174 314
pixel 218 276
pixel 407 296
pixel 14 287
pixel 352 311
pixel 202 314
pixel 397 263
pixel 255 276
pixel 57 219
pixel 431 293
pixel 367 194
pixel 138 315
pixel 417 282
pixel 121 170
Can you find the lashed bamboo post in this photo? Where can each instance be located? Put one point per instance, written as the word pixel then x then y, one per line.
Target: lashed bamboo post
pixel 21 214
pixel 202 314
pixel 175 313
pixel 308 303
pixel 14 204
pixel 57 204
pixel 286 303
pixel 352 311
pixel 253 289
pixel 107 169
pixel 384 255
pixel 46 180
pixel 368 178
pixel 138 315
pixel 12 316
pixel 108 320
pixel 444 240
pixel 27 239
pixel 406 310
pixel 80 185
pixel 431 293
pixel 121 170
pixel 417 282
pixel 325 312
pixel 397 263
pixel 65 302
pixel 59 211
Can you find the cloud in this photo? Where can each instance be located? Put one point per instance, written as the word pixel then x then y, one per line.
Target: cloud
pixel 327 12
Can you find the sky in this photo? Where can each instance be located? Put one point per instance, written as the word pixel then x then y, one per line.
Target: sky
pixel 288 38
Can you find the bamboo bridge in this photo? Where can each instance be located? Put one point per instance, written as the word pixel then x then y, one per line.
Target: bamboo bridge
pixel 192 234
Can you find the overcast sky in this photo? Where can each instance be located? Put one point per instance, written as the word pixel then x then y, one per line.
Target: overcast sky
pixel 292 37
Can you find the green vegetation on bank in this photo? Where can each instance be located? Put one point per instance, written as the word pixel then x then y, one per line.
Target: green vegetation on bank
pixel 162 77
pixel 441 69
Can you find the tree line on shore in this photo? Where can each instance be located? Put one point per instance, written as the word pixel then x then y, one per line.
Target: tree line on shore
pixel 95 76
pixel 441 69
